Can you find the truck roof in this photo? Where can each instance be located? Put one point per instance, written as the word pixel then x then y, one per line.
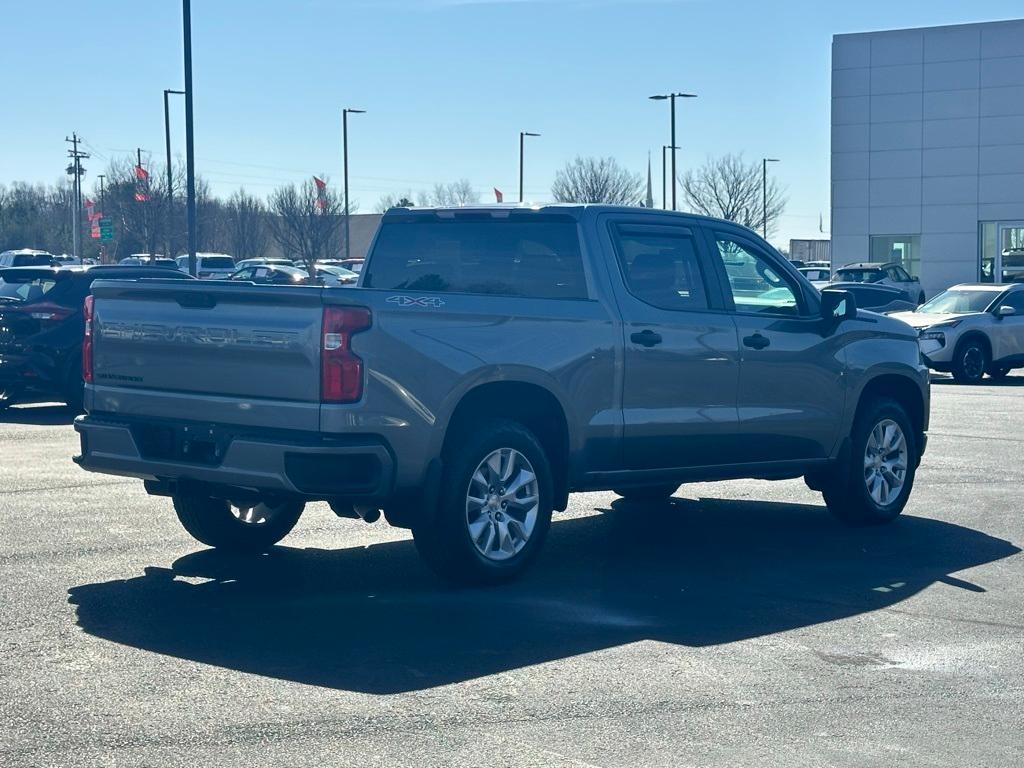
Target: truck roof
pixel 576 210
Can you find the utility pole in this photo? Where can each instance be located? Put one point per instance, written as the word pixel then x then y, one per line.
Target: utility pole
pixel 764 194
pixel 170 178
pixel 103 192
pixel 75 169
pixel 344 140
pixel 190 171
pixel 664 185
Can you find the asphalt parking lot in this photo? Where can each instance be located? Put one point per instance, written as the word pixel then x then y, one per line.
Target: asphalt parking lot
pixel 739 626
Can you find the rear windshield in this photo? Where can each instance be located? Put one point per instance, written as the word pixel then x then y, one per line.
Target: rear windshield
pixel 859 275
pixel 29 288
pixel 216 262
pixel 539 258
pixel 31 260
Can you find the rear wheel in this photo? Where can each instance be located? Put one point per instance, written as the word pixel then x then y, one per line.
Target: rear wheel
pixel 648 493
pixel 495 506
pixel 874 485
pixel 970 361
pixel 237 527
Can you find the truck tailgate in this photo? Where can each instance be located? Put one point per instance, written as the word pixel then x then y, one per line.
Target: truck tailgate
pixel 227 352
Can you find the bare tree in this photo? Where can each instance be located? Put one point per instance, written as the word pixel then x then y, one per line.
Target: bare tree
pixel 459 192
pixel 597 180
pixel 389 201
pixel 305 223
pixel 245 219
pixel 729 188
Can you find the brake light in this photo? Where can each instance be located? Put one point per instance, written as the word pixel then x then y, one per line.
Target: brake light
pixel 341 370
pixel 87 342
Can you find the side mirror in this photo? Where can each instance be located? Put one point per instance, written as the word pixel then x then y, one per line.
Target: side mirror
pixel 1005 311
pixel 837 304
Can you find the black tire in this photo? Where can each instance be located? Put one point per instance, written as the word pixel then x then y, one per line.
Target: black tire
pixel 970 361
pixel 999 372
pixel 647 493
pixel 846 493
pixel 444 540
pixel 212 522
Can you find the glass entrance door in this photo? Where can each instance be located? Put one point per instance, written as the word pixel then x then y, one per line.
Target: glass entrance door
pixel 1010 252
pixel 1002 251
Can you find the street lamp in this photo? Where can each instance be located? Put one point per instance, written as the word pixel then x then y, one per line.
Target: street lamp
pixel 764 194
pixel 522 137
pixel 344 140
pixel 664 187
pixel 170 178
pixel 672 98
pixel 190 167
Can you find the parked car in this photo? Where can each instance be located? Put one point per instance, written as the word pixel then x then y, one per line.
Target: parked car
pixel 493 361
pixel 819 276
pixel 209 266
pixel 972 329
pixel 259 261
pixel 891 274
pixel 25 257
pixel 41 328
pixel 877 297
pixel 267 274
pixel 333 275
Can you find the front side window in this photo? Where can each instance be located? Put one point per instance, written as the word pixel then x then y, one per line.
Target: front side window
pixel 661 268
pixel 1015 300
pixel 757 285
pixel 536 257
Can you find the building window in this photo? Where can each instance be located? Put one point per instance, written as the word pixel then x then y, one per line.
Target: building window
pixel 1000 251
pixel 903 249
pixel 987 251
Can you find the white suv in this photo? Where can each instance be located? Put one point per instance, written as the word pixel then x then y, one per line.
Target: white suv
pixel 209 266
pixel 971 330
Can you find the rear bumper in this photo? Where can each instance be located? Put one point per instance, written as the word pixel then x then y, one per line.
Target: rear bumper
pixel 310 466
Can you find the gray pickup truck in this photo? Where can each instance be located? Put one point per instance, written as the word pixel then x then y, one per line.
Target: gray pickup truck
pixel 491 361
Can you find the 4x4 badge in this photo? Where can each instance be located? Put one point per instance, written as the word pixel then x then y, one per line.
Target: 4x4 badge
pixel 416 301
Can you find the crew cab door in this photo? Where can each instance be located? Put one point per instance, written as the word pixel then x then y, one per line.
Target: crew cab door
pixel 681 360
pixel 791 387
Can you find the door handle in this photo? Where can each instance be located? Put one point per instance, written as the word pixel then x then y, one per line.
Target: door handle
pixel 757 341
pixel 646 338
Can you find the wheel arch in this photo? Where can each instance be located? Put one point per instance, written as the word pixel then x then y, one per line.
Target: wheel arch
pixel 529 403
pixel 904 390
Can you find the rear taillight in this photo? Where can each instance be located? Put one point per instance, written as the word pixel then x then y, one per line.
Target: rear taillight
pixel 341 370
pixel 46 313
pixel 87 342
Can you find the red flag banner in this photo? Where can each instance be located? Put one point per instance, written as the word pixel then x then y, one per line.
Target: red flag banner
pixel 498 197
pixel 321 185
pixel 141 196
pixel 141 173
pixel 321 189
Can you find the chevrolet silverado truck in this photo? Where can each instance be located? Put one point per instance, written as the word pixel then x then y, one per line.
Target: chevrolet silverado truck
pixel 491 361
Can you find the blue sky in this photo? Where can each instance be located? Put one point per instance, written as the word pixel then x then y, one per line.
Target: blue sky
pixel 448 85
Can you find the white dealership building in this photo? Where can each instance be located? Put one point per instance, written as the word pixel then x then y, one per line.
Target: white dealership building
pixel 928 151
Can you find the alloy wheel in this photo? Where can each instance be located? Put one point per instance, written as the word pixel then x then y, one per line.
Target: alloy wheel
pixel 885 462
pixel 502 502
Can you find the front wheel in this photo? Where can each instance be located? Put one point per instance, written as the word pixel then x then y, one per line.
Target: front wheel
pixel 875 484
pixel 970 361
pixel 237 527
pixel 495 506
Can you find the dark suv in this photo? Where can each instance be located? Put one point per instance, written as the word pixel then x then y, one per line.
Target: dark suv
pixel 41 327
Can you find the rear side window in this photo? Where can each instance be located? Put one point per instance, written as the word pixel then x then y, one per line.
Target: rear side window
pixel 539 258
pixel 31 260
pixel 661 268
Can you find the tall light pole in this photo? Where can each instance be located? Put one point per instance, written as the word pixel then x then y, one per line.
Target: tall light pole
pixel 764 194
pixel 522 137
pixel 190 167
pixel 170 177
pixel 672 98
pixel 664 186
pixel 344 140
